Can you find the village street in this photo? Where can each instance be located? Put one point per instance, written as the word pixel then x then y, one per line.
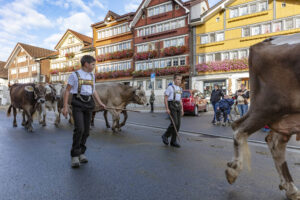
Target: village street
pixel 133 164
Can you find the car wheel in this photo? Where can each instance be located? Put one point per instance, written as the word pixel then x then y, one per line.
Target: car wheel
pixel 196 111
pixel 206 108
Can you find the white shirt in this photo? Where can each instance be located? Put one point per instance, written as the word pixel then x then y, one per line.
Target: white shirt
pixel 85 89
pixel 170 93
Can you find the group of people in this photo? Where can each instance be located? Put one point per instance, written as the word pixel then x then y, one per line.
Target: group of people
pixel 222 104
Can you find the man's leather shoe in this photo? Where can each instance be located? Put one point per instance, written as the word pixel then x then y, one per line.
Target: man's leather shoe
pixel 165 140
pixel 175 144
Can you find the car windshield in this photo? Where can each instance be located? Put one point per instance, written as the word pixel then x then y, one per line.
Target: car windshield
pixel 185 94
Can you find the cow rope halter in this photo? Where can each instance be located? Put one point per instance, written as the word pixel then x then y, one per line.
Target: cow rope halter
pixel 82 82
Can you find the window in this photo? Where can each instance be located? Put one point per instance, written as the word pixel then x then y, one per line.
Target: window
pixel 33 68
pixel 244 10
pixel 218 57
pixel 169 62
pixel 176 7
pixel 225 56
pixel 149 85
pixel 212 37
pixel 234 55
pixel 217 19
pixel 233 13
pixel 168 81
pixel 220 37
pixel 21 59
pixel 201 59
pixel 255 30
pixel 23 70
pixel 175 62
pixel 297 22
pixel 140 84
pixel 158 84
pixel 13 71
pixel 150 12
pixel 283 4
pixel 262 6
pixel 204 39
pixel 266 28
pixel 289 24
pixel 277 26
pixel 253 8
pixel 209 58
pixel 243 54
pixel 246 32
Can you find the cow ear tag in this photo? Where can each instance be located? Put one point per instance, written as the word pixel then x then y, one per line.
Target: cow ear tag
pixel 29 88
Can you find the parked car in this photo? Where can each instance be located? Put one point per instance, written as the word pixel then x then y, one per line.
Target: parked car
pixel 193 101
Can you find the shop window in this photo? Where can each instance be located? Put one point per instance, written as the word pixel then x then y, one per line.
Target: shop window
pixel 182 61
pixel 289 24
pixel 149 85
pixel 277 26
pixel 158 84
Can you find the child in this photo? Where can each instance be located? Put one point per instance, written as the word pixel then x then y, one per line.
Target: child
pixel 224 107
pixel 81 84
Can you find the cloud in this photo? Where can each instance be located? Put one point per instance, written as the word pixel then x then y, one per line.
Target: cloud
pixel 52 40
pixel 132 5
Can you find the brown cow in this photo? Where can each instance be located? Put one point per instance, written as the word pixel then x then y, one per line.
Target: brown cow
pixel 26 97
pixel 118 95
pixel 274 67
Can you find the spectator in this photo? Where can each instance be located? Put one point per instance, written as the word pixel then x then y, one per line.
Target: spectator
pixel 215 97
pixel 242 97
pixel 151 100
pixel 224 107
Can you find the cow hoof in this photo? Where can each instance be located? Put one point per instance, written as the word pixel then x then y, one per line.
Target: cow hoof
pixel 293 196
pixel 92 124
pixel 44 124
pixel 56 124
pixel 23 123
pixel 231 175
pixel 108 126
pixel 15 125
pixel 30 129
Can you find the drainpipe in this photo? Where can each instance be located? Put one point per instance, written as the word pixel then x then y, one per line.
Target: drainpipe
pixel 274 9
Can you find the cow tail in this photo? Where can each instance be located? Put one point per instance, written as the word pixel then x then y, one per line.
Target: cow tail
pixel 9 111
pixel 247 154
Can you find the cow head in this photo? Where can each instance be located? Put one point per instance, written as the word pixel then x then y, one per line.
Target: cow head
pixel 39 92
pixel 50 93
pixel 139 96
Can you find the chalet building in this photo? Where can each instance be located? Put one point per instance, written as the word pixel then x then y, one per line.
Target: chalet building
pixel 113 41
pixel 162 43
pixel 27 64
pixel 4 92
pixel 69 50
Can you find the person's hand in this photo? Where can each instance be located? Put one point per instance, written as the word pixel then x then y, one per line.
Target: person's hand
pixel 104 106
pixel 168 111
pixel 182 112
pixel 65 111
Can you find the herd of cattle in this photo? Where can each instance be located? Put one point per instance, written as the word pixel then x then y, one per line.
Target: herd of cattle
pixel 34 98
pixel 274 67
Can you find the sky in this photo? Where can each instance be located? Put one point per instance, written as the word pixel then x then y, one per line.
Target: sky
pixel 42 23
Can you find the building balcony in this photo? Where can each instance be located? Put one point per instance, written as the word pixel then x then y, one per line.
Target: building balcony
pixel 114 74
pixel 65 69
pixel 162 71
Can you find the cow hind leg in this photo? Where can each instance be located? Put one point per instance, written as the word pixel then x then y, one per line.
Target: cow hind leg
pixel 106 120
pixel 15 115
pixel 243 127
pixel 277 145
pixel 125 118
pixel 93 118
pixel 23 119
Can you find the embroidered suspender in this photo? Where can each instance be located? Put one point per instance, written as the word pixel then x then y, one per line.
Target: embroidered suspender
pixel 82 82
pixel 174 93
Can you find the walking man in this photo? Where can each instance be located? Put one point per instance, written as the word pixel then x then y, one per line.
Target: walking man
pixel 151 100
pixel 81 85
pixel 174 108
pixel 215 97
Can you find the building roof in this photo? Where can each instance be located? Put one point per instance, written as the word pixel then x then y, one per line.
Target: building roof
pixel 35 52
pixel 145 3
pixel 85 39
pixel 116 17
pixel 3 71
pixel 32 51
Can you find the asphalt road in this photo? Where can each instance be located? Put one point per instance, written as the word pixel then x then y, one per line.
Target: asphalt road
pixel 133 164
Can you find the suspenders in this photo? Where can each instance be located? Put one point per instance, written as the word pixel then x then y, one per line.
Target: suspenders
pixel 82 82
pixel 174 93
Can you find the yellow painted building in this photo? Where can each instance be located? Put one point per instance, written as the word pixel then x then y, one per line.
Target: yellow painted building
pixel 227 30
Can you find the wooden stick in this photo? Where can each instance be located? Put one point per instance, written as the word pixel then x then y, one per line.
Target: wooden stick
pixel 174 127
pixel 122 109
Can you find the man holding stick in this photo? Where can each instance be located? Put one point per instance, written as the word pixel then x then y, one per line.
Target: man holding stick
pixel 174 108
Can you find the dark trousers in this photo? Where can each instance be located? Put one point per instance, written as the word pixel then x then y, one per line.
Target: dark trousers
pixel 152 107
pixel 225 115
pixel 215 110
pixel 82 121
pixel 175 109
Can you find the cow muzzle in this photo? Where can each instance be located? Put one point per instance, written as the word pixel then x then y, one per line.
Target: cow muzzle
pixel 41 100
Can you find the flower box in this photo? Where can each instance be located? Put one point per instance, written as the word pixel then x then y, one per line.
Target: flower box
pixel 173 50
pixel 70 55
pixel 115 74
pixel 146 55
pixel 223 66
pixel 116 55
pixel 162 72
